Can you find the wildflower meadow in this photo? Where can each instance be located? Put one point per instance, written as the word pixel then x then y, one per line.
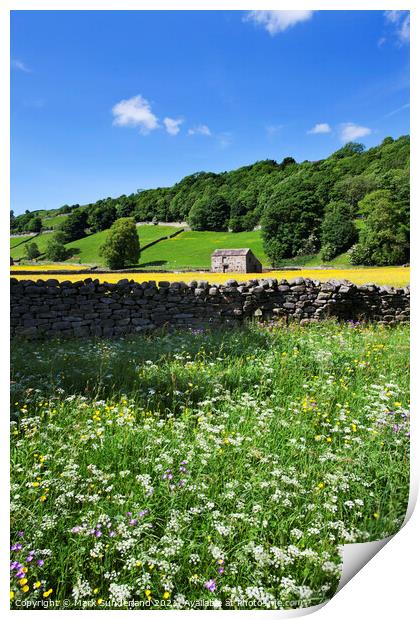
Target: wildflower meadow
pixel 215 469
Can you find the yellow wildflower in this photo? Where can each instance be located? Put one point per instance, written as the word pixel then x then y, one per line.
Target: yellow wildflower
pixel 47 593
pixel 166 595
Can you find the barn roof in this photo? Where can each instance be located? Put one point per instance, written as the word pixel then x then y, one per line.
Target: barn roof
pixel 229 252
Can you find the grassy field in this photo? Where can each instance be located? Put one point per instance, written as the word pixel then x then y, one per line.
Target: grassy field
pixel 189 249
pixel 223 467
pixel 20 252
pixel 54 221
pixel 14 241
pixel 86 250
pixel 393 276
pixel 194 249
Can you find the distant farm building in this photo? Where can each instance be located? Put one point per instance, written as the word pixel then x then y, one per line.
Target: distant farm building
pixel 239 261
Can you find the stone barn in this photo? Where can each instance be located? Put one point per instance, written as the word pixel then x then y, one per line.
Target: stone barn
pixel 231 261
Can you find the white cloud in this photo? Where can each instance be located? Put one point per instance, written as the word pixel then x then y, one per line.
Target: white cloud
pixel 20 66
pixel 401 21
pixel 135 112
pixel 351 131
pixel 172 125
pixel 320 128
pixel 278 21
pixel 393 16
pixel 202 130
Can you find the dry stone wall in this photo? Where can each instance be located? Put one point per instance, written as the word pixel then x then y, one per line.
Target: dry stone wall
pixel 48 308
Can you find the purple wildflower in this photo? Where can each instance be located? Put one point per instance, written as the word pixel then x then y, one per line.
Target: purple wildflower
pixel 143 513
pixel 29 558
pixel 98 533
pixel 16 547
pixel 112 534
pixel 76 529
pixel 40 562
pixel 133 521
pixel 21 533
pixel 210 585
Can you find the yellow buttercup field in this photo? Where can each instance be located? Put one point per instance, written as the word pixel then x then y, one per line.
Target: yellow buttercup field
pixel 392 276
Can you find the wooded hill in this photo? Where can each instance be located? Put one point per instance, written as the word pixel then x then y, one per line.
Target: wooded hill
pixel 354 195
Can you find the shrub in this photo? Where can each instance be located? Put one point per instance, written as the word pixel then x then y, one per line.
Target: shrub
pixel 122 246
pixel 32 251
pixel 328 252
pixel 56 250
pixel 309 246
pixel 359 255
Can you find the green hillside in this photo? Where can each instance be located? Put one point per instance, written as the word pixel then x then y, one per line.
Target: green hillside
pixel 20 252
pixel 87 250
pixel 353 197
pixel 14 241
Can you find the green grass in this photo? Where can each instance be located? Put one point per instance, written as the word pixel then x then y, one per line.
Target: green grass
pixel 14 241
pixel 87 250
pixel 193 249
pixel 188 249
pixel 41 241
pixel 257 452
pixel 54 221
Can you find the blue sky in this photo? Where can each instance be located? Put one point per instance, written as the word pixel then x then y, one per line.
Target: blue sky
pixel 106 102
